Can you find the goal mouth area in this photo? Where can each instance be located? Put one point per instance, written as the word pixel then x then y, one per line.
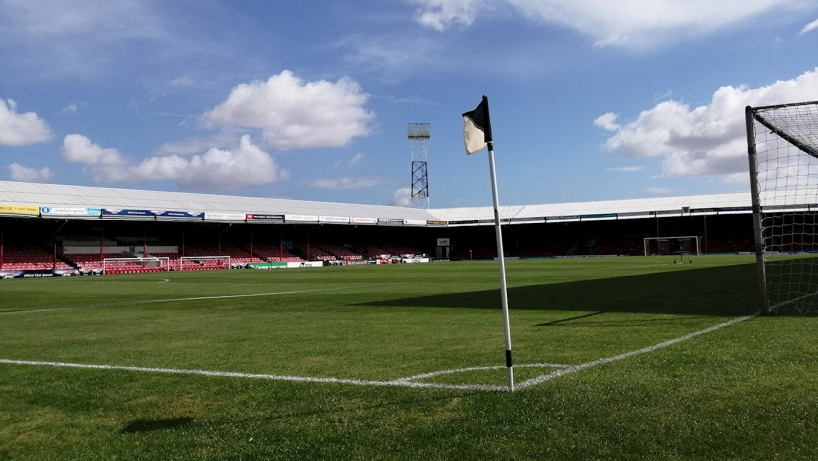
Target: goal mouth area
pixel 672 245
pixel 188 263
pixel 135 265
pixel 782 146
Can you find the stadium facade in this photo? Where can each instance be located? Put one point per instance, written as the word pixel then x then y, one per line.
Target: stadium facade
pixel 56 218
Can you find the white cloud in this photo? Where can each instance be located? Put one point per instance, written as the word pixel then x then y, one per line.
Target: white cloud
pixel 70 109
pixel 182 81
pixel 402 197
pixel 625 22
pixel 293 114
pixel 222 139
pixel 626 169
pixel 355 160
pixel 738 178
pixel 21 129
pixel 703 140
pixel 607 121
pixel 660 191
pixel 217 169
pixel 79 149
pixel 395 54
pixel 442 14
pixel 18 172
pixel 811 26
pixel 345 183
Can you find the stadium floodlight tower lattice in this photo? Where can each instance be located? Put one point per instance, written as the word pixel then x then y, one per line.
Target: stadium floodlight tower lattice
pixel 782 145
pixel 418 134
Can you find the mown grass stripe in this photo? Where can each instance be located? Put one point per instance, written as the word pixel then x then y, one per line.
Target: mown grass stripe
pixel 573 369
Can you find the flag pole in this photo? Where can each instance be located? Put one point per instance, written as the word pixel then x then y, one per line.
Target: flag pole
pixel 501 257
pixel 477 136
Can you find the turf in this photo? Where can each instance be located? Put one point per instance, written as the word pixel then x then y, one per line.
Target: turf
pixel 746 391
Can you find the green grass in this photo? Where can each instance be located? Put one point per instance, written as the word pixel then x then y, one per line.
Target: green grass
pixel 746 391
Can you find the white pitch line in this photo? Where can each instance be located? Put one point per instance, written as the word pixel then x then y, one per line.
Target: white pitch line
pixel 400 382
pixel 199 298
pixel 230 374
pixel 461 370
pixel 575 368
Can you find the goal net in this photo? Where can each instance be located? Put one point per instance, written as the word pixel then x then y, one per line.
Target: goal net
pixel 135 265
pixel 686 245
pixel 782 145
pixel 198 263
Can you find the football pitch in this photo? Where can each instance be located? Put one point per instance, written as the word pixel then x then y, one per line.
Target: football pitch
pixel 615 358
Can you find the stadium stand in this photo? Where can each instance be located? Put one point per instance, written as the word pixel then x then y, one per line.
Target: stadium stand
pixel 274 253
pixel 314 252
pixel 30 258
pixel 729 245
pixel 543 250
pixel 620 248
pixel 340 252
pixel 88 261
pixel 391 249
pixel 237 255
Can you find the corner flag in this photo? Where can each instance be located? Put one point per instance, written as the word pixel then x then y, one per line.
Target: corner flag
pixel 477 136
pixel 477 127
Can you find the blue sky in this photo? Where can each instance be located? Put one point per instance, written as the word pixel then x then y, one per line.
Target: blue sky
pixel 590 100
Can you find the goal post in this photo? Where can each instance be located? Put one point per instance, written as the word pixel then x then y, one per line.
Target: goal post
pixel 782 146
pixel 135 265
pixel 673 245
pixel 187 263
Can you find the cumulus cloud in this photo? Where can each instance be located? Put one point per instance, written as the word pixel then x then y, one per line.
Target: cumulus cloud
pixel 621 23
pixel 345 183
pixel 704 140
pixel 294 114
pixel 21 129
pixel 80 149
pixel 607 121
pixel 217 169
pixel 402 197
pixel 811 26
pixel 18 172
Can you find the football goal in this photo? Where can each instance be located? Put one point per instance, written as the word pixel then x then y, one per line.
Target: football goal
pixel 677 246
pixel 198 263
pixel 782 144
pixel 135 265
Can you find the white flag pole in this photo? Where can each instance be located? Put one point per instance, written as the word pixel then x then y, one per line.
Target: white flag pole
pixel 500 256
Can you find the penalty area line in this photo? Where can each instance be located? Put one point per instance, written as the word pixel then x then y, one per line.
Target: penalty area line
pixel 645 350
pixel 230 374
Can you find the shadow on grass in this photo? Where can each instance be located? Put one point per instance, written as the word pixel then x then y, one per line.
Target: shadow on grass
pixel 149 425
pixel 719 291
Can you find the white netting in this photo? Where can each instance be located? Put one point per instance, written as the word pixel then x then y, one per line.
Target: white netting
pixel 672 245
pixel 135 265
pixel 196 263
pixel 785 139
